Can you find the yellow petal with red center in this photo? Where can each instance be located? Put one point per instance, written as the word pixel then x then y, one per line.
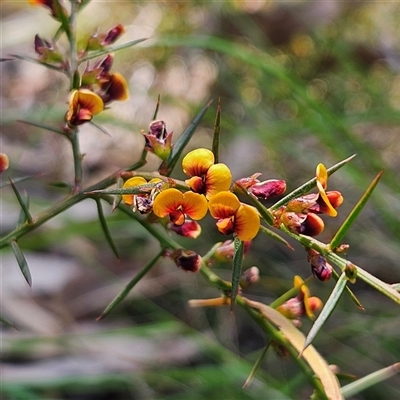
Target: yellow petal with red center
pixel 247 222
pixel 197 162
pixel 226 226
pixel 322 175
pixel 135 181
pixel 166 202
pixel 117 88
pixel 90 101
pixel 223 205
pixel 218 179
pixel 194 205
pixel 196 184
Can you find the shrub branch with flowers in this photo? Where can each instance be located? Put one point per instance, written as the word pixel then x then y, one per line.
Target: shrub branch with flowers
pixel 163 204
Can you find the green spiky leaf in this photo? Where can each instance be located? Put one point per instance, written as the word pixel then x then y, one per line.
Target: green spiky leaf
pixel 327 310
pixel 237 268
pixel 181 143
pixel 337 239
pixel 106 230
pixel 121 296
pixel 23 265
pixel 217 131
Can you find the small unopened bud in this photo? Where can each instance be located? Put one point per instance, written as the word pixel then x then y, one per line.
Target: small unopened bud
pixel 293 221
pixel 323 272
pixel 314 303
pixel 190 229
pixel 342 248
pixel 248 181
pixel 319 267
pixel 226 250
pixel 113 34
pixel 250 276
pixel 158 141
pixel 292 308
pixel 187 260
pixel 47 51
pixel 351 272
pixel 4 162
pixel 267 189
pixel 313 225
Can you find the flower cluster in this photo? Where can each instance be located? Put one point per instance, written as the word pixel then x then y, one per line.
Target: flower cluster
pixel 97 86
pixel 302 304
pixel 209 185
pixel 300 215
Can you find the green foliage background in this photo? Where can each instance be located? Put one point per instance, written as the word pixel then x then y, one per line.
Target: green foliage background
pixel 300 83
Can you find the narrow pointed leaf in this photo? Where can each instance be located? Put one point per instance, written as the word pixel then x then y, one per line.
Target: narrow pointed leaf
pixel 217 131
pixel 349 292
pixel 43 126
pixel 157 107
pixel 237 268
pixel 64 20
pixel 22 203
pixel 372 379
pixel 327 310
pixel 23 265
pixel 7 322
pixel 306 187
pixel 272 234
pixel 100 128
pixel 296 338
pixel 111 49
pixel 256 366
pixel 182 142
pixel 6 183
pixel 34 60
pixel 103 223
pixel 337 239
pixel 22 216
pixel 121 296
pixel 117 199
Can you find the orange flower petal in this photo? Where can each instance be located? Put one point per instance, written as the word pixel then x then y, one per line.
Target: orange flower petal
pixel 194 205
pixel 116 88
pixel 90 101
pixel 218 179
pixel 247 222
pixel 135 181
pixel 197 162
pixel 322 175
pixel 330 210
pixel 223 205
pixel 167 202
pixel 4 162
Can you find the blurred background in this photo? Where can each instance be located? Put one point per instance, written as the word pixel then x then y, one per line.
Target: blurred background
pixel 299 83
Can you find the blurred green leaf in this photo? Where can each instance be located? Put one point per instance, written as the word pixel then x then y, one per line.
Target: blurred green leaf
pixel 121 296
pixel 106 230
pixel 355 212
pixel 23 203
pixel 23 265
pixel 167 167
pixel 372 379
pixel 236 268
pixel 329 306
pixel 217 131
pixel 111 49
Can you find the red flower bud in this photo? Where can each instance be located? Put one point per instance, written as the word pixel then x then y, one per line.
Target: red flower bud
pixel 189 228
pixel 267 189
pixel 187 260
pixel 4 162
